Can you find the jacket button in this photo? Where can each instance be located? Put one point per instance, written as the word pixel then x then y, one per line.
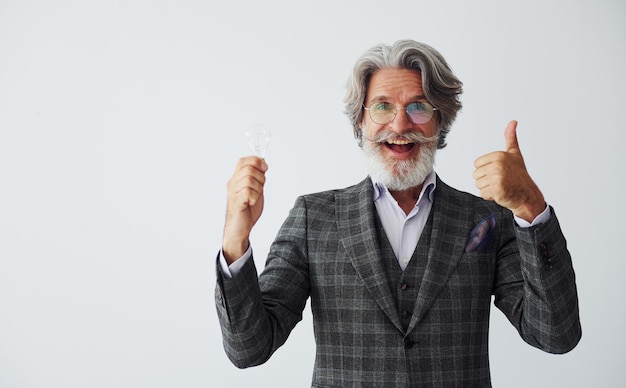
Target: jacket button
pixel 408 343
pixel 404 287
pixel 543 247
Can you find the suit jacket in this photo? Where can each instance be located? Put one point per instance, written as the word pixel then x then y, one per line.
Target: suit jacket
pixel 326 249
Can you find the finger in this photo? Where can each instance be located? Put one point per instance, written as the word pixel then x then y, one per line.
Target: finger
pixel 486 159
pixel 253 161
pixel 245 187
pixel 510 137
pixel 248 197
pixel 485 189
pixel 251 183
pixel 249 167
pixel 479 173
pixel 490 158
pixel 248 171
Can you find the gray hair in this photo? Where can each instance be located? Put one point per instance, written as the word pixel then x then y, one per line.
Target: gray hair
pixel 441 87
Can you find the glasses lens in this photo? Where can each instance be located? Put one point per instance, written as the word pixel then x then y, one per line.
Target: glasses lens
pixel 419 112
pixel 382 112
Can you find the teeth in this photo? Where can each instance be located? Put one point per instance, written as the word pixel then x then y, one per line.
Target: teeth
pixel 399 142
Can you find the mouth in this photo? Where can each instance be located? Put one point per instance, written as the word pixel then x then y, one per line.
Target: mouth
pixel 399 146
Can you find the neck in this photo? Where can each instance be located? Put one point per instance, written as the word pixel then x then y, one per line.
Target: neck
pixel 407 198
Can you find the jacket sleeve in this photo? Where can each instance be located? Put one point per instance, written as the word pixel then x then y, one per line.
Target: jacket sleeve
pixel 535 286
pixel 257 313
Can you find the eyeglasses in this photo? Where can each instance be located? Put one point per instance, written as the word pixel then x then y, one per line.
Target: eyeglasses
pixel 384 112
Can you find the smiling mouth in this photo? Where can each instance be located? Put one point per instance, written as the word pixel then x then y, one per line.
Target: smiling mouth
pixel 400 145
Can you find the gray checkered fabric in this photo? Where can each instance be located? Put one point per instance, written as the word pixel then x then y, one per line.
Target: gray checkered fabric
pixel 328 249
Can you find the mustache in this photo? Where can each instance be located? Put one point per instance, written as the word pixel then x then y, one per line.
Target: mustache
pixel 387 135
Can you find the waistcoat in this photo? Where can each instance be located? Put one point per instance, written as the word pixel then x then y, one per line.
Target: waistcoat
pixel 405 284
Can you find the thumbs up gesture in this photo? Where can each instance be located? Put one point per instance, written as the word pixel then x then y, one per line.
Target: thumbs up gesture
pixel 502 177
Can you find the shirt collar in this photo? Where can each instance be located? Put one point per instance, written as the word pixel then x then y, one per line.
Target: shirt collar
pixel 430 183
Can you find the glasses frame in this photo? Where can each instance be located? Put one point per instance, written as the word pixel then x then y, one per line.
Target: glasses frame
pixel 396 109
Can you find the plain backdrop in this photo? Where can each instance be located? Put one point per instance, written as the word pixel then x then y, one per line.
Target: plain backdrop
pixel 121 121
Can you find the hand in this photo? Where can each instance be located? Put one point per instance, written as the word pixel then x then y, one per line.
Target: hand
pixel 244 205
pixel 501 176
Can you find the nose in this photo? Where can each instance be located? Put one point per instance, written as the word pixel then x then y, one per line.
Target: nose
pixel 401 123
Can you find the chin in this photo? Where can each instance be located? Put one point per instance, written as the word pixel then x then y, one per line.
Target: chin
pixel 399 175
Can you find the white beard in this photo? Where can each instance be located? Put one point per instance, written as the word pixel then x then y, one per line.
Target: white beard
pixel 403 174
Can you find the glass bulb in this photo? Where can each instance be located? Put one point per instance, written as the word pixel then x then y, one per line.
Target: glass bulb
pixel 259 139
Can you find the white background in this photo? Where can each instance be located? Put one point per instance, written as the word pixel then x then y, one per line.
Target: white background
pixel 121 121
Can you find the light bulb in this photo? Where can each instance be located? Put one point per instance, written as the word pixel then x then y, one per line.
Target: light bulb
pixel 259 139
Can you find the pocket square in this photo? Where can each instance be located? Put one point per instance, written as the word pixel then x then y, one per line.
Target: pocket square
pixel 480 236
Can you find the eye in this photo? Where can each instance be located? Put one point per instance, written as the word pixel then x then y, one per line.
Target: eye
pixel 418 107
pixel 382 107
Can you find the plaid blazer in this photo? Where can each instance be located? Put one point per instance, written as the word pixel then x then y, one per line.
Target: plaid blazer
pixel 327 250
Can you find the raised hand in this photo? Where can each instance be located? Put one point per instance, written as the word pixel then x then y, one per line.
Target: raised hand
pixel 501 176
pixel 244 205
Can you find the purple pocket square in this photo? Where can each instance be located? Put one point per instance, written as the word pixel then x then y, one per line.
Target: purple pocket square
pixel 480 236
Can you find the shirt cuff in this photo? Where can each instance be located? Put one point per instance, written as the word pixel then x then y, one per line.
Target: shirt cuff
pixel 542 218
pixel 232 270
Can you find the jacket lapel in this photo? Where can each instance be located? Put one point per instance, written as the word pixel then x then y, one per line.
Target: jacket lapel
pixel 451 218
pixel 356 222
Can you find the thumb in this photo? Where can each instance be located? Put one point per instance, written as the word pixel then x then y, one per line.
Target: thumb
pixel 510 137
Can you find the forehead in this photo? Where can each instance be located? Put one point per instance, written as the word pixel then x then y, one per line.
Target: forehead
pixel 394 84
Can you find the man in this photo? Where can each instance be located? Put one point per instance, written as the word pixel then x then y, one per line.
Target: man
pixel 400 268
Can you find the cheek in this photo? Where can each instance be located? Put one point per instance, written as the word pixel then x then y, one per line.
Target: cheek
pixel 429 129
pixel 370 129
